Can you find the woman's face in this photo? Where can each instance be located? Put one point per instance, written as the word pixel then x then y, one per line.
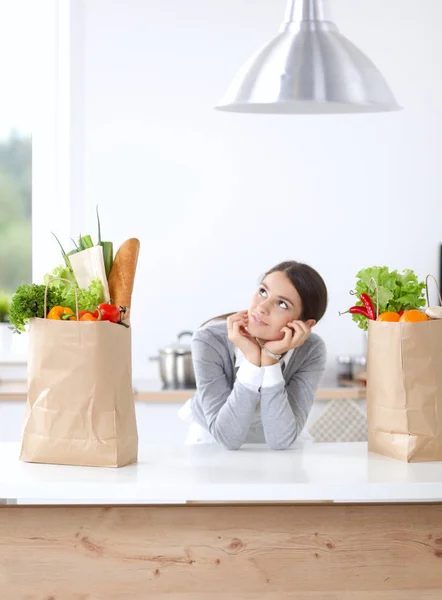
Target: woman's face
pixel 275 303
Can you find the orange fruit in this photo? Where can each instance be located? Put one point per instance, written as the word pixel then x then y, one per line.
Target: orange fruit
pixel 389 317
pixel 414 316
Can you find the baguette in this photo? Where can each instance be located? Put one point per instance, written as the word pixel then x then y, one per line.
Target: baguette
pixel 122 274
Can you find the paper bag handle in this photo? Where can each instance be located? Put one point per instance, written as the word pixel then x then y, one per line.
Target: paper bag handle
pixel 372 279
pixel 66 281
pixel 426 289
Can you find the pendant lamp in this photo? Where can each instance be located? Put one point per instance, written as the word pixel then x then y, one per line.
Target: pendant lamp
pixel 309 67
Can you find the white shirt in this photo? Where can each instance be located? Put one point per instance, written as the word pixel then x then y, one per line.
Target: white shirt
pixel 255 377
pixel 250 376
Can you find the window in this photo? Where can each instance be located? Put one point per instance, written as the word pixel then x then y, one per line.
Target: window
pixel 15 210
pixel 16 32
pixel 37 41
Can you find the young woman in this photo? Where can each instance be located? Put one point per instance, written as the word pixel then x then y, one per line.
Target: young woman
pixel 257 371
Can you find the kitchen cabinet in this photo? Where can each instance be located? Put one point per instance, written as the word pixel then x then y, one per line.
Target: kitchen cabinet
pixel 156 421
pixel 156 409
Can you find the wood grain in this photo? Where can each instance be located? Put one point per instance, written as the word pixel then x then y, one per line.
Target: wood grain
pixel 339 552
pixel 352 595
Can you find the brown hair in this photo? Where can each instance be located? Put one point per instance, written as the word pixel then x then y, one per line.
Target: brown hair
pixel 309 284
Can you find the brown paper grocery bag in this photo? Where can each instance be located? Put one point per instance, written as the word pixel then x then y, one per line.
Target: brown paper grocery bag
pixel 80 407
pixel 404 390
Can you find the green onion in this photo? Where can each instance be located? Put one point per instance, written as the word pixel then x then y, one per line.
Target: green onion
pixel 65 256
pixel 108 255
pixel 108 248
pixel 99 228
pixel 87 242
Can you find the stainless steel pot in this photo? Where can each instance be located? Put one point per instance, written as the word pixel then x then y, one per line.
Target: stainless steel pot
pixel 176 367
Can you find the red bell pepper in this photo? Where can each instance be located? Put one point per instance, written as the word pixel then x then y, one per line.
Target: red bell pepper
pixel 110 312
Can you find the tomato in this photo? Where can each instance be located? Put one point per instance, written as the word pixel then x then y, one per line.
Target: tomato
pixel 110 312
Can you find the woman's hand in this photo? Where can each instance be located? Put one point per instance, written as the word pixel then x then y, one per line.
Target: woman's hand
pixel 240 337
pixel 295 334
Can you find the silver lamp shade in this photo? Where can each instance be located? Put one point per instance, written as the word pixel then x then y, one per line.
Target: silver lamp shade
pixel 308 68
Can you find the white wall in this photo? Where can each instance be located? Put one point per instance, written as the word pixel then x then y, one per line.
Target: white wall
pixel 216 199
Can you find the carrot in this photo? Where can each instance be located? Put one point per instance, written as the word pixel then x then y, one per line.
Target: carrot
pixel 122 274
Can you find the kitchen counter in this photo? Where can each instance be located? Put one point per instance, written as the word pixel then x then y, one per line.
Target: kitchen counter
pixel 151 390
pixel 326 520
pixel 208 473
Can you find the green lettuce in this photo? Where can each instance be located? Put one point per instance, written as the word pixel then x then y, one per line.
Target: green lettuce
pixel 87 298
pixel 63 272
pixel 397 291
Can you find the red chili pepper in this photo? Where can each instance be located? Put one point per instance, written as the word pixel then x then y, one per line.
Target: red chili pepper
pixel 368 303
pixel 356 310
pixel 359 310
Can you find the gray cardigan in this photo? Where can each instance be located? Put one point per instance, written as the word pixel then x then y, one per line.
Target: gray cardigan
pixel 228 409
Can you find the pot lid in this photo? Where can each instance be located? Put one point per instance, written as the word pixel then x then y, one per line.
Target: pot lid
pixel 178 347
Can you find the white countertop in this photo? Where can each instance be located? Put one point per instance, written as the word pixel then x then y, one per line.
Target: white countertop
pixel 208 473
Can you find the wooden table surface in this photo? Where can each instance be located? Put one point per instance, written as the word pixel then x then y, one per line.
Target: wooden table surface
pixel 263 550
pixel 303 552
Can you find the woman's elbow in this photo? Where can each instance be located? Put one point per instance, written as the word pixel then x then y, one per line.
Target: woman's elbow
pixel 231 445
pixel 280 444
pixel 226 441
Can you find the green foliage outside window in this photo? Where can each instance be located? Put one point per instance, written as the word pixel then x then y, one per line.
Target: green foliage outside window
pixel 15 212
